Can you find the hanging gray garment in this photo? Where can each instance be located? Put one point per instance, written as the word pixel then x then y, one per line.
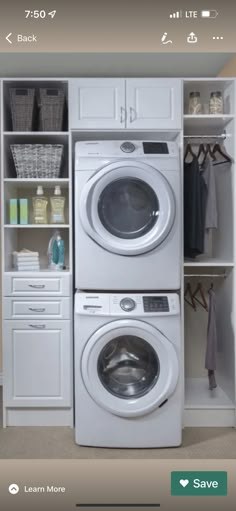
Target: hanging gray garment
pixel 211 218
pixel 211 348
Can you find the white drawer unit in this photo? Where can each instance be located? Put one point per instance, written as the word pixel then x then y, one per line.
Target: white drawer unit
pixel 36 286
pixel 37 361
pixel 49 308
pixel 37 355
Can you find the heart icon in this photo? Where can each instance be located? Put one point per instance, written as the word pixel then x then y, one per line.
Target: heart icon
pixel 184 482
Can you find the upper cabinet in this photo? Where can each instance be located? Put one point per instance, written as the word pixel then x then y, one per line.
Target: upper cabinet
pixel 97 103
pixel 116 103
pixel 153 103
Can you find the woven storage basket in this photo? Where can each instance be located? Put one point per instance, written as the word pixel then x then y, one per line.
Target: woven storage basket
pixel 37 160
pixel 22 102
pixel 51 108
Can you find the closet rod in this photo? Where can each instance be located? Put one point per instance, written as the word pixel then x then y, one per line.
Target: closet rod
pixel 222 136
pixel 210 275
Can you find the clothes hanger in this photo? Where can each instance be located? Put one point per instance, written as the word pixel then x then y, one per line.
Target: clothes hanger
pixel 219 148
pixel 202 151
pixel 188 151
pixel 188 291
pixel 199 290
pixel 208 152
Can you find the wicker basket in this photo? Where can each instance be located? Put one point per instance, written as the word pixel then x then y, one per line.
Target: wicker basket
pixel 22 102
pixel 37 160
pixel 51 108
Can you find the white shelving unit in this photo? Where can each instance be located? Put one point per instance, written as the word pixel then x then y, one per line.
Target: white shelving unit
pixel 32 396
pixel 202 406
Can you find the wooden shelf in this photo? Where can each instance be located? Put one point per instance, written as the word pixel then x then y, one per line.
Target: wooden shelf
pixel 36 133
pixel 29 182
pixel 41 271
pixel 37 226
pixel 205 122
pixel 208 263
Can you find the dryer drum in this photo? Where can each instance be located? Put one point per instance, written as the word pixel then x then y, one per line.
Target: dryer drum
pixel 128 208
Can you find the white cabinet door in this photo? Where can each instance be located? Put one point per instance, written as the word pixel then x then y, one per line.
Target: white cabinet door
pixel 153 103
pixel 97 103
pixel 37 363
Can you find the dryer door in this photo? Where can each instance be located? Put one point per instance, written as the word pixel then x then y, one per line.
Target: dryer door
pixel 127 207
pixel 129 367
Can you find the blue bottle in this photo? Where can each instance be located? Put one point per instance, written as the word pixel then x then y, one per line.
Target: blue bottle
pixel 56 252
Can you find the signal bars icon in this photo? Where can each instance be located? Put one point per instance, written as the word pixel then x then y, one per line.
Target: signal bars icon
pixel 175 15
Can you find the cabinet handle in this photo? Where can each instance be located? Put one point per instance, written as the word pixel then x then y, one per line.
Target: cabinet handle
pixel 37 286
pixel 36 310
pixel 122 109
pixel 132 117
pixel 38 327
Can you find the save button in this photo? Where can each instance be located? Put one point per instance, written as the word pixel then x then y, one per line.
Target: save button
pixel 199 483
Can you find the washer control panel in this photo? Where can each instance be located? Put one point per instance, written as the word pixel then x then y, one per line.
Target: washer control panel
pixel 127 304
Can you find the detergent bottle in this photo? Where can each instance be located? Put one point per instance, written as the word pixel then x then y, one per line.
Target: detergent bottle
pixel 56 252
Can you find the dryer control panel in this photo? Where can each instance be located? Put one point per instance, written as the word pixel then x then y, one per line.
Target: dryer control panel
pixel 156 304
pixel 127 305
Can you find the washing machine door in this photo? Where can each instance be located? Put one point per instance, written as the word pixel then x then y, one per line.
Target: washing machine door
pixel 129 368
pixel 127 207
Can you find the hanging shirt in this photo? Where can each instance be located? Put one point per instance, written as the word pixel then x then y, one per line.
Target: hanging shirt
pixel 195 196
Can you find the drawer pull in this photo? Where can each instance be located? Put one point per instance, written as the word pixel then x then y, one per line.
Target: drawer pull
pixel 36 310
pixel 38 327
pixel 37 286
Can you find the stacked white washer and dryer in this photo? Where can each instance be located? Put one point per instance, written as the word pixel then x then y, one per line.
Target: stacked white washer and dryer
pixel 128 362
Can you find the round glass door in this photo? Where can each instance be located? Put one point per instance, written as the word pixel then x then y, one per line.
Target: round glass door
pixel 126 208
pixel 128 367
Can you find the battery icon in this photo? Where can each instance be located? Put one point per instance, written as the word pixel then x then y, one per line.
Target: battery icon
pixel 209 14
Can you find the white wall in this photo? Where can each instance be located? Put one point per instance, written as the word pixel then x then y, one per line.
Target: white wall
pixel 112 64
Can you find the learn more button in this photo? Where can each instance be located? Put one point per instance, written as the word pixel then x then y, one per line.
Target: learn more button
pixel 199 483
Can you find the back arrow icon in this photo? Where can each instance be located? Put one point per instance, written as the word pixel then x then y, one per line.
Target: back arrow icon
pixel 7 38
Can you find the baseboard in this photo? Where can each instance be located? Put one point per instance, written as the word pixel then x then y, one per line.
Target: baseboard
pixel 1 378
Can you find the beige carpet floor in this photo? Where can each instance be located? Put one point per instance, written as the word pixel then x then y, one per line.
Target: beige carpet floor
pixel 58 443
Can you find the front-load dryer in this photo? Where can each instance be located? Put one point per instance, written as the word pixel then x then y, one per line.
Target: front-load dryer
pixel 127 215
pixel 127 370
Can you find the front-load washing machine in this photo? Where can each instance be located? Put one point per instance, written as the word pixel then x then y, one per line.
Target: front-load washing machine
pixel 127 370
pixel 127 215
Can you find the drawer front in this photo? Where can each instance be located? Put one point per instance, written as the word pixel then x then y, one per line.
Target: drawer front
pixel 20 308
pixel 35 286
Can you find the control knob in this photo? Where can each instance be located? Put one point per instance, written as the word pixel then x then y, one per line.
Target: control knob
pixel 127 304
pixel 127 147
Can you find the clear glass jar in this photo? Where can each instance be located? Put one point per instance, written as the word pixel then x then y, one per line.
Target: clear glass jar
pixel 194 106
pixel 216 103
